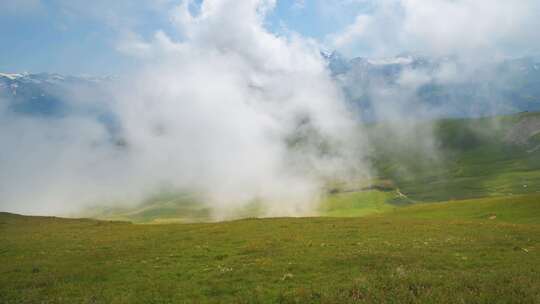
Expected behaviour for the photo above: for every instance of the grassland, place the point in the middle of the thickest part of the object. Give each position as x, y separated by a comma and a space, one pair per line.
452, 217
425, 253
355, 204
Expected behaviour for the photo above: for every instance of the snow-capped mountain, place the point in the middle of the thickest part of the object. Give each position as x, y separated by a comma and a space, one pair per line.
442, 87
50, 94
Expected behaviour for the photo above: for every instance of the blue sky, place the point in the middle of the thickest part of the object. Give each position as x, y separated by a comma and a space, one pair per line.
54, 36
81, 37
77, 38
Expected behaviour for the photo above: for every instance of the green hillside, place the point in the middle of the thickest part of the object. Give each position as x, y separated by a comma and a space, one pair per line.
485, 251
461, 158
164, 208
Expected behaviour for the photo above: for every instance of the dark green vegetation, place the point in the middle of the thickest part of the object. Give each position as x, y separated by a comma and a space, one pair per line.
484, 251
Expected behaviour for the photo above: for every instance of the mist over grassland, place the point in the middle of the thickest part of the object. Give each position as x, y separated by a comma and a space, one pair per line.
238, 117
270, 151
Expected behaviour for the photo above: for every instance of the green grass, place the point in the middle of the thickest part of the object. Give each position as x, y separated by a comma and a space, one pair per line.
164, 208
520, 209
426, 253
186, 209
354, 204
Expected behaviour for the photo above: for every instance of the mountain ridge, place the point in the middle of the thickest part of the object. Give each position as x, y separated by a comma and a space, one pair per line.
440, 86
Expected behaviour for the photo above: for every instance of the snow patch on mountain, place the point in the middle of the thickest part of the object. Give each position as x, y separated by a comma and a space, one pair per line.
12, 76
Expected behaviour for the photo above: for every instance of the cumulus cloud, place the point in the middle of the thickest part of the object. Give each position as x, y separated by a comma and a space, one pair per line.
459, 44
230, 111
469, 27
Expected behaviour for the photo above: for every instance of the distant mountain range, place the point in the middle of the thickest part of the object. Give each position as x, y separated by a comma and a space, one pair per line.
442, 87
51, 94
406, 84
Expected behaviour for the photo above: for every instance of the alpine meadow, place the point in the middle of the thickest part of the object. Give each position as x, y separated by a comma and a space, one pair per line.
269, 151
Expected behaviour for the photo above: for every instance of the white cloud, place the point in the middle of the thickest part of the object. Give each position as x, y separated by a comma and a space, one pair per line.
215, 112
228, 96
471, 27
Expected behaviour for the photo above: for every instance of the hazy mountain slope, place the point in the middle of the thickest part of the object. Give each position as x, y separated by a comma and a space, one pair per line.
433, 161
437, 86
444, 86
467, 157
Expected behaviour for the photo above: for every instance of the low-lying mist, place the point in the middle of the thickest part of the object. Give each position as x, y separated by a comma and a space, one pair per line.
237, 117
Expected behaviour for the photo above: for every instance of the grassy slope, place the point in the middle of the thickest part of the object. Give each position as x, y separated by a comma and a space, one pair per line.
522, 209
435, 253
165, 208
468, 158
354, 204
182, 209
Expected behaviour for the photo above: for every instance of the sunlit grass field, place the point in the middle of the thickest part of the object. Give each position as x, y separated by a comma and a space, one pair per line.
482, 251
354, 204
